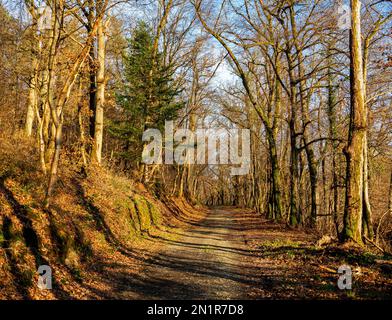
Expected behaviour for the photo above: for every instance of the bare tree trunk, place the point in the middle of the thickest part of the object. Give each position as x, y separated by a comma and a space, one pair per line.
294, 210
276, 200
356, 141
334, 146
50, 128
92, 96
367, 221
41, 144
294, 174
98, 133
271, 137
81, 127
182, 181
91, 13
33, 84
390, 196
55, 162
32, 101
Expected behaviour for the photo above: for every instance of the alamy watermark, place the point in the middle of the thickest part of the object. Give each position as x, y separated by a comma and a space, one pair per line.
345, 280
44, 18
344, 15
45, 277
202, 146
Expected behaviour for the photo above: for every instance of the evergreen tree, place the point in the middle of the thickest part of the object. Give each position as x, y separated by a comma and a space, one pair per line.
149, 95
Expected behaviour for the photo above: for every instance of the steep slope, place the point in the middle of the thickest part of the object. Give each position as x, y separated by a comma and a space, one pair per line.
92, 218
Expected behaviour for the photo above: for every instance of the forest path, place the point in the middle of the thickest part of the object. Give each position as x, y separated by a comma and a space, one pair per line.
211, 259
230, 253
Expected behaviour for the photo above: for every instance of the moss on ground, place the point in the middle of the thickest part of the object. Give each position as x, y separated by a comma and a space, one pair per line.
148, 214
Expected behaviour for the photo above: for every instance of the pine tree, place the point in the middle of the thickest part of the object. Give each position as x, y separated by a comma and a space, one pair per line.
149, 95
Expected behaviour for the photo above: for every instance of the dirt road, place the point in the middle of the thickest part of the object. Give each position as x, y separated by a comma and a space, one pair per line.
230, 254
209, 261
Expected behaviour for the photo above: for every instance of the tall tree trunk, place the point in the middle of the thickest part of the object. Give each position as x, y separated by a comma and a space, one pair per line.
98, 127
357, 132
92, 95
81, 125
55, 162
31, 106
294, 176
367, 221
305, 121
276, 190
275, 193
390, 196
294, 216
92, 73
332, 102
33, 83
